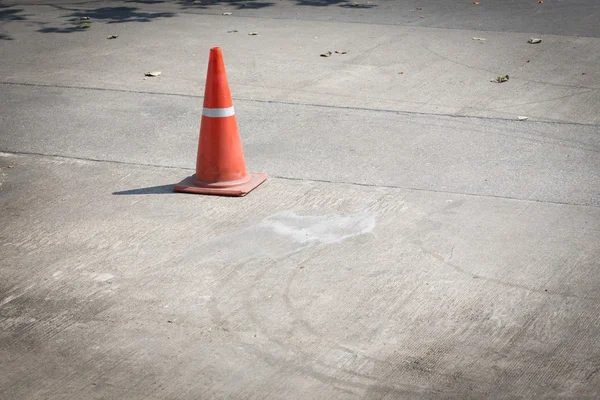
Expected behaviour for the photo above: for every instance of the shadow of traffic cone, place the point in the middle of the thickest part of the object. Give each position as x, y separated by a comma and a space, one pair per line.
220, 166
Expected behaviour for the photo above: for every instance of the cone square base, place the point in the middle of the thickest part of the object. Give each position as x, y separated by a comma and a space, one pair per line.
192, 185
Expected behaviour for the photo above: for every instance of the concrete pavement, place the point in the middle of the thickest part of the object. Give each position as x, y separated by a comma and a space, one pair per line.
445, 71
461, 155
414, 240
300, 290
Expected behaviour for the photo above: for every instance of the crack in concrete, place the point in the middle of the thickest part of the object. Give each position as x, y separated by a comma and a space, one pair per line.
492, 196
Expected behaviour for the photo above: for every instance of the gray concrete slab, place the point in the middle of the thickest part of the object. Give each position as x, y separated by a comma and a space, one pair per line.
572, 18
526, 160
309, 290
413, 241
444, 70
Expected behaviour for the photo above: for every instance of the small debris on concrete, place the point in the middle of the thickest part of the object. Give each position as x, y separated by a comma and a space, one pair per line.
253, 33
113, 37
419, 8
226, 13
522, 118
84, 25
341, 52
534, 41
401, 73
152, 73
233, 31
476, 2
480, 39
500, 79
85, 18
170, 322
11, 166
421, 16
326, 54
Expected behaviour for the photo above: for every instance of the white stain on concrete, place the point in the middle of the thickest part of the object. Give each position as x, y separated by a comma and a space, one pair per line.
281, 235
326, 229
102, 277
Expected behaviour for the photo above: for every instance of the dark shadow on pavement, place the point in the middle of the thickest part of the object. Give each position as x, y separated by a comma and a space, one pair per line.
10, 15
239, 4
116, 15
163, 189
125, 11
145, 1
319, 3
357, 5
339, 3
109, 15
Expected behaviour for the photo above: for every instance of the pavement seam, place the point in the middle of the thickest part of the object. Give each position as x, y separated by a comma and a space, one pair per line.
288, 178
292, 103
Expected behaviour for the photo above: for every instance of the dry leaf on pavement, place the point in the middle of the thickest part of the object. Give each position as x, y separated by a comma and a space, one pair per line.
500, 79
152, 73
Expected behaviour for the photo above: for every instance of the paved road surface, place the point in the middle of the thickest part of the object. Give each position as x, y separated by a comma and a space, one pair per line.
414, 239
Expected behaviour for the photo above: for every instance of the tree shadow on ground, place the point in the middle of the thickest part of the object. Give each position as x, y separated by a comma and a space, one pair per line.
339, 3
252, 4
145, 1
76, 19
239, 4
7, 15
320, 3
12, 15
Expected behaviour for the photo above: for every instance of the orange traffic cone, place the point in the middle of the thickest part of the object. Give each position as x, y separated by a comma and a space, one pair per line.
220, 166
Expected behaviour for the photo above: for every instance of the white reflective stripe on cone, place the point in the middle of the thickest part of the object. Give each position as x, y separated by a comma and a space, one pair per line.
218, 112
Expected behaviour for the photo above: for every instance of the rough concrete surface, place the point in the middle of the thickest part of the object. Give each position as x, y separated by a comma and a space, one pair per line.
414, 239
300, 290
